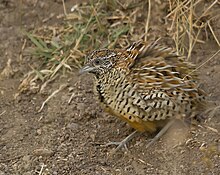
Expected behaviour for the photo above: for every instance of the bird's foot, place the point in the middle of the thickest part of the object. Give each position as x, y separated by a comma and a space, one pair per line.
161, 133
123, 143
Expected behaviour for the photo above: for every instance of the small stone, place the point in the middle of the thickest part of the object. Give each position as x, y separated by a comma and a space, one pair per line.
81, 106
39, 131
92, 136
182, 151
55, 173
26, 158
43, 152
216, 156
73, 126
27, 165
70, 89
28, 173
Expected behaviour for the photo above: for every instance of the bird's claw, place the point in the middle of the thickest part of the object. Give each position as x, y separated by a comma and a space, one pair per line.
119, 145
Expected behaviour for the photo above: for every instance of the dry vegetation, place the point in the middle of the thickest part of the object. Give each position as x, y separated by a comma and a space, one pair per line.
97, 25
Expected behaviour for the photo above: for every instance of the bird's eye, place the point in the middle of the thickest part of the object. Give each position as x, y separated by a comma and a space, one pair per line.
97, 62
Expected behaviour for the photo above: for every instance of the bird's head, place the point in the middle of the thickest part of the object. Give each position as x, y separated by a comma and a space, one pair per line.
99, 61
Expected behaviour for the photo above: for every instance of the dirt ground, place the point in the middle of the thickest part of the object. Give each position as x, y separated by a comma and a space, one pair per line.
68, 138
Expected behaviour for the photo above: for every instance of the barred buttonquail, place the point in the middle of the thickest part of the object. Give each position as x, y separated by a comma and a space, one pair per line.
146, 85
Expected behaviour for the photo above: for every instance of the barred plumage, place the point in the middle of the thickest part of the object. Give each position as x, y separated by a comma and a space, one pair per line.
145, 85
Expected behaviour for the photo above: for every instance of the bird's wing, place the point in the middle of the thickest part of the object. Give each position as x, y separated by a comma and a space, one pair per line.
162, 79
160, 67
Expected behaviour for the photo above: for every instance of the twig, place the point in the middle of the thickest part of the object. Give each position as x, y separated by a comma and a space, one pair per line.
216, 39
209, 128
148, 20
64, 8
2, 112
69, 101
22, 49
212, 129
41, 170
203, 14
47, 82
216, 53
177, 8
83, 33
62, 63
212, 111
190, 31
54, 93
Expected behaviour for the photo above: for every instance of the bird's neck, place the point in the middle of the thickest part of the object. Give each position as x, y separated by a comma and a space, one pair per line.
109, 78
106, 83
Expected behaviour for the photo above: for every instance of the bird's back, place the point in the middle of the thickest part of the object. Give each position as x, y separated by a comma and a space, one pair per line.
149, 85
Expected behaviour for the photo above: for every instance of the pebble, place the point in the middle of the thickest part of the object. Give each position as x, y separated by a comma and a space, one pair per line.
26, 158
73, 126
39, 131
43, 152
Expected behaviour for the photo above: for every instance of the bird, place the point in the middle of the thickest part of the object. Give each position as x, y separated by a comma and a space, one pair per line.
148, 85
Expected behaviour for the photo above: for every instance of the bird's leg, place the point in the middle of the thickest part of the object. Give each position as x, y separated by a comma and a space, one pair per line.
161, 133
123, 142
132, 135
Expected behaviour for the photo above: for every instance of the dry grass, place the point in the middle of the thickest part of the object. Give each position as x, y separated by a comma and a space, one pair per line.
188, 21
113, 23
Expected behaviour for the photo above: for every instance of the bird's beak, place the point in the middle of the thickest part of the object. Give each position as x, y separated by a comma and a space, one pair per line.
86, 69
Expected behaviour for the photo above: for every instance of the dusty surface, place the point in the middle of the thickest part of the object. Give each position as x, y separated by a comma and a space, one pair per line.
67, 138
